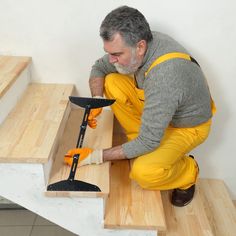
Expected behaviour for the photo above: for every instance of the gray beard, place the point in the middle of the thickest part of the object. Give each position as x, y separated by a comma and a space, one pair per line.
130, 69
125, 70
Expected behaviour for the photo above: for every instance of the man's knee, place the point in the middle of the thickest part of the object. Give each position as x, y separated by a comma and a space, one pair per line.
137, 173
147, 176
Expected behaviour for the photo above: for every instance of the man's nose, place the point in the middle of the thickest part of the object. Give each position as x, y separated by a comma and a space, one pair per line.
113, 59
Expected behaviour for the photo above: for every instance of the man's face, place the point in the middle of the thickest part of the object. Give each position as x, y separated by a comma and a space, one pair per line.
126, 59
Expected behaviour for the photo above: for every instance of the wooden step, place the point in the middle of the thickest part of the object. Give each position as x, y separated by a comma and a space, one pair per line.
128, 205
10, 69
98, 138
219, 207
30, 131
210, 213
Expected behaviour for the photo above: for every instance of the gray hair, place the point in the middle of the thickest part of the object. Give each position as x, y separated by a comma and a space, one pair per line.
129, 23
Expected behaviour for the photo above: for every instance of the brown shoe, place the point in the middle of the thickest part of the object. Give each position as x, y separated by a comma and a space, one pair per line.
182, 197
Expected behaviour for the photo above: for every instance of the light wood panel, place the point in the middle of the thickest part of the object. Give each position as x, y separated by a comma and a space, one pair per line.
98, 138
210, 213
10, 68
128, 205
30, 131
188, 220
219, 207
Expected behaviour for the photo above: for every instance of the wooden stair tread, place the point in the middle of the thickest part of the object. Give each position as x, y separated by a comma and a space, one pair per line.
210, 213
98, 138
219, 207
10, 68
30, 130
129, 206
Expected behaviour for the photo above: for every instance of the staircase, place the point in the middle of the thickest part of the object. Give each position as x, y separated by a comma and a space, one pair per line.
38, 125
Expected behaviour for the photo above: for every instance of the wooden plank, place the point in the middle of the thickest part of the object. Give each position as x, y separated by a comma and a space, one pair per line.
10, 68
98, 138
30, 131
188, 220
219, 207
210, 213
129, 206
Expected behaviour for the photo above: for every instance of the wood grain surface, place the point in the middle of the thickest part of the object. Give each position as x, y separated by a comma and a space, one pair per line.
30, 131
128, 205
210, 213
98, 138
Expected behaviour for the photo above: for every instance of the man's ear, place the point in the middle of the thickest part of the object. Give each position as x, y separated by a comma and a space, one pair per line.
141, 47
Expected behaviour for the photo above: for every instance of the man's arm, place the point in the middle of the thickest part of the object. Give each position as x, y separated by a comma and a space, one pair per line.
114, 153
96, 85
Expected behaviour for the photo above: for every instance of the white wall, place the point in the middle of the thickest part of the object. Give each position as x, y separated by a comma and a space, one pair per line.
62, 37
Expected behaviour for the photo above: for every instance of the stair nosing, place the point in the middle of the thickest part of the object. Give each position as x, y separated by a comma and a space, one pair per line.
26, 62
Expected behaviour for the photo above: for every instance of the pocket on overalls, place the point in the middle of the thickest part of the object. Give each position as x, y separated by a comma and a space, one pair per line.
140, 94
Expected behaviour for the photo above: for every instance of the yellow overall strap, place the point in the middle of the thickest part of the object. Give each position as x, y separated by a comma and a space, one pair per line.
169, 56
173, 55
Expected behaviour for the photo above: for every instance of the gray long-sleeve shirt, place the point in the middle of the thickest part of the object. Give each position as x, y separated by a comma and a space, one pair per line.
176, 93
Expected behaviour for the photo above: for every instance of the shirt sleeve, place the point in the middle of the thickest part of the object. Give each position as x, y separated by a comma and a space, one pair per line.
162, 95
102, 67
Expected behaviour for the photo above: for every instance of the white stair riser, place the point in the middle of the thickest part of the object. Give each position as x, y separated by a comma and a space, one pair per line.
10, 98
24, 184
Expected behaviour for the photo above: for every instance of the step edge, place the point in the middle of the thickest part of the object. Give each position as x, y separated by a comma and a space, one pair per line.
27, 62
36, 160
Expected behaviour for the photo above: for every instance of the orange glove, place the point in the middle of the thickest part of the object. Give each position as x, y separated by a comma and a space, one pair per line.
92, 121
87, 156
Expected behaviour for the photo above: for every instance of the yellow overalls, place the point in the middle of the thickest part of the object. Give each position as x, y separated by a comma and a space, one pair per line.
168, 166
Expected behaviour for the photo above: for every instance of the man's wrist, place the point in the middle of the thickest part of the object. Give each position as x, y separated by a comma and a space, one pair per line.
114, 153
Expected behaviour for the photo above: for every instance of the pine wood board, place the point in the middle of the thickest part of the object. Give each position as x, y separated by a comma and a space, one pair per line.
30, 131
98, 138
219, 207
210, 213
10, 68
129, 206
188, 220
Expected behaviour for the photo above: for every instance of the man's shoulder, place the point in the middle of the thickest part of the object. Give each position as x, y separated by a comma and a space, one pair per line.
163, 44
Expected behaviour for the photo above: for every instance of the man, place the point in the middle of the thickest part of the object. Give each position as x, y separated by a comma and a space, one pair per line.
162, 102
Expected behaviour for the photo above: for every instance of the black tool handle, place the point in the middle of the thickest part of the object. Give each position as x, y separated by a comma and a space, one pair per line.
80, 140
83, 127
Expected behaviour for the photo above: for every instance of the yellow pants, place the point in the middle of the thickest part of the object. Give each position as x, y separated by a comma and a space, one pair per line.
168, 166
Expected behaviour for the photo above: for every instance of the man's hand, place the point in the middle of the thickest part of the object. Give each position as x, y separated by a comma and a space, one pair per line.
92, 121
87, 156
